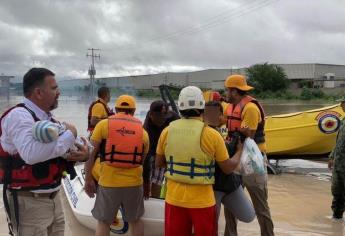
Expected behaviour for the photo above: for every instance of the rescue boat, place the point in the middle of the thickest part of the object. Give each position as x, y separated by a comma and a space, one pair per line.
305, 134
82, 205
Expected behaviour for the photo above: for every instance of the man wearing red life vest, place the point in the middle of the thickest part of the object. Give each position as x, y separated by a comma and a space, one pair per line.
120, 177
245, 111
31, 171
98, 109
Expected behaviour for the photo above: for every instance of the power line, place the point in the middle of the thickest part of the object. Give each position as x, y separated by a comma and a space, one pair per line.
219, 19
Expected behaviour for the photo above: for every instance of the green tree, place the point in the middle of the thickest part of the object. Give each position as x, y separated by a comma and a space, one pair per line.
267, 77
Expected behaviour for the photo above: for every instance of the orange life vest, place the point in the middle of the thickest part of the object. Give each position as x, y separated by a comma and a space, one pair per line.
124, 147
234, 119
109, 113
16, 174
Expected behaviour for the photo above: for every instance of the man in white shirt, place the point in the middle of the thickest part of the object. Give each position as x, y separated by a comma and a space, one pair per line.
31, 171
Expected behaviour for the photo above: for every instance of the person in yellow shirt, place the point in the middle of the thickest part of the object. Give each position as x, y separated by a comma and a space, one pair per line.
245, 111
188, 149
98, 109
120, 177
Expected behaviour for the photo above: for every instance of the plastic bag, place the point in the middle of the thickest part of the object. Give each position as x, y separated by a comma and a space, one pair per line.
252, 160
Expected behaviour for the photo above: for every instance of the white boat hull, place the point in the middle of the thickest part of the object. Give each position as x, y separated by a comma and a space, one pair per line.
82, 205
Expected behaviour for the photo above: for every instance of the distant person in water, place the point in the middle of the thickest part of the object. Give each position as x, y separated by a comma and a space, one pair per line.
337, 165
158, 117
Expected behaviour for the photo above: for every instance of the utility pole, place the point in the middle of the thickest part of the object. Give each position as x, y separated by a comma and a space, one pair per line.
92, 70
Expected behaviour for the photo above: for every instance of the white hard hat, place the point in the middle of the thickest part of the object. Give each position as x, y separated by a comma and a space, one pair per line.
191, 97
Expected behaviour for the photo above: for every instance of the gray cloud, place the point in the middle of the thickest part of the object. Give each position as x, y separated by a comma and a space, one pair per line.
138, 37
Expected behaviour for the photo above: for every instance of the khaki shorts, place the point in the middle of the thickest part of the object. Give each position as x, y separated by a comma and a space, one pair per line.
38, 216
109, 200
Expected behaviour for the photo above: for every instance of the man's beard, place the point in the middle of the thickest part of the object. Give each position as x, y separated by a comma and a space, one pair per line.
55, 105
229, 99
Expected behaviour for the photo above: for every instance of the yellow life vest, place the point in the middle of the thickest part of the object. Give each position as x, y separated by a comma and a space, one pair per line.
186, 161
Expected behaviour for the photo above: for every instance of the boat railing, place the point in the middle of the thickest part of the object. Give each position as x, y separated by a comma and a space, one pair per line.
300, 113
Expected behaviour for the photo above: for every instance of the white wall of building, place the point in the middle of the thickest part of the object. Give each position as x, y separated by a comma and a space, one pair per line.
214, 78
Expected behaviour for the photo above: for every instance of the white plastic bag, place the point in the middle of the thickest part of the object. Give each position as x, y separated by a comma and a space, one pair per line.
252, 160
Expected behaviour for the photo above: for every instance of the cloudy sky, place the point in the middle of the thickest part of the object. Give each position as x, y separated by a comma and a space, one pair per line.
147, 36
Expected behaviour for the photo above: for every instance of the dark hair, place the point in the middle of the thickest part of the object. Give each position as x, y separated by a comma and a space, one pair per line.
103, 91
214, 104
191, 112
157, 106
34, 78
126, 111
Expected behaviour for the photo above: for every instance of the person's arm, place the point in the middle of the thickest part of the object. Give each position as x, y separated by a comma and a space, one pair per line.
221, 153
97, 114
160, 157
160, 161
146, 166
229, 165
146, 141
147, 158
89, 164
90, 185
96, 140
19, 123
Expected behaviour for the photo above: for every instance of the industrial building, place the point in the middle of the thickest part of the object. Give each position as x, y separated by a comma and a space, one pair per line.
315, 75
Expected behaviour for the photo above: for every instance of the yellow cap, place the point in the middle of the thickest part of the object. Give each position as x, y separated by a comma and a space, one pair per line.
237, 81
125, 102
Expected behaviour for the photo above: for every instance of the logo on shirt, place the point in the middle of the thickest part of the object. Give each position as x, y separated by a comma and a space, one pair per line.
123, 131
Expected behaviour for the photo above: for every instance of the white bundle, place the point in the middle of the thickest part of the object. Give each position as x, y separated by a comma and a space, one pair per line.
252, 160
46, 131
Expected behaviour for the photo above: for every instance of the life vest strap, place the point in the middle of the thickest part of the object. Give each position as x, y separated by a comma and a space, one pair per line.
192, 166
209, 174
135, 154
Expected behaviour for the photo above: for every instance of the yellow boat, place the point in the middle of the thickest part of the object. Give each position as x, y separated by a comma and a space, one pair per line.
307, 133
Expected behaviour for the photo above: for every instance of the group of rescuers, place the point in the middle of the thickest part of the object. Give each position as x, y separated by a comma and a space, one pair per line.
130, 161
191, 155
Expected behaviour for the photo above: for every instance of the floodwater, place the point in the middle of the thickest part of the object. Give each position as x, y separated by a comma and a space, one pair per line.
299, 198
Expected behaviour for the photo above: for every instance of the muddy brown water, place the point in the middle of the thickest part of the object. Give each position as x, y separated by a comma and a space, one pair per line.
299, 198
